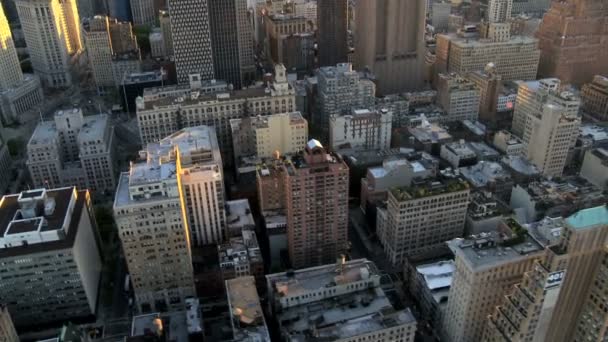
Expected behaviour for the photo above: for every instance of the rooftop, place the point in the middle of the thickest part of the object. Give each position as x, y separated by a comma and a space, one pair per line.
429, 188
484, 172
460, 148
429, 133
595, 132
589, 217
94, 128
241, 250
484, 151
238, 215
173, 325
479, 43
437, 275
245, 310
520, 165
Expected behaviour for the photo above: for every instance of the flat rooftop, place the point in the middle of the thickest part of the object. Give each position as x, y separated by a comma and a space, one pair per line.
484, 172
588, 218
429, 188
429, 133
174, 325
466, 42
238, 214
94, 128
460, 149
245, 310
521, 165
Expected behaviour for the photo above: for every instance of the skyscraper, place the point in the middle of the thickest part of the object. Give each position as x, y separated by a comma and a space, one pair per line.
144, 12
499, 11
232, 42
573, 39
332, 17
10, 69
191, 39
389, 39
52, 33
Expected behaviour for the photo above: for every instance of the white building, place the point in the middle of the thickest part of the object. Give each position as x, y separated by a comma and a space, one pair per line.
52, 33
341, 302
458, 154
195, 153
508, 143
361, 129
459, 97
50, 256
595, 167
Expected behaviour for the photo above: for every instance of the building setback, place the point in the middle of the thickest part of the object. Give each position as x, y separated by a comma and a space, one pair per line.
53, 232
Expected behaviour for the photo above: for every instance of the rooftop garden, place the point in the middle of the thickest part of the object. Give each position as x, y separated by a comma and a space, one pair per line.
429, 189
518, 236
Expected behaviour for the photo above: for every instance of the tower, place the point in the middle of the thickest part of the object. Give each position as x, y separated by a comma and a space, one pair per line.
332, 16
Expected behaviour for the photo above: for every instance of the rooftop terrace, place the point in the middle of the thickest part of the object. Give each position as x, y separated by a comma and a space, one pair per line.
428, 189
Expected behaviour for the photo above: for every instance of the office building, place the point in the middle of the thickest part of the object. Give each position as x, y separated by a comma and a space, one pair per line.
151, 218
532, 96
118, 9
349, 298
52, 42
191, 35
18, 92
459, 97
290, 40
246, 315
264, 136
508, 143
157, 44
164, 19
530, 7
232, 42
515, 58
107, 41
489, 84
52, 231
332, 17
422, 227
73, 150
591, 325
341, 89
195, 154
440, 14
487, 266
594, 97
163, 111
362, 129
144, 11
498, 11
595, 167
389, 40
554, 301
548, 138
7, 329
572, 38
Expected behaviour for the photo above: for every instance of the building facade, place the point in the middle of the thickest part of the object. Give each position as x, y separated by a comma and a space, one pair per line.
594, 96
389, 40
410, 224
7, 329
232, 42
459, 97
361, 129
332, 17
52, 33
53, 231
164, 19
190, 32
144, 11
572, 40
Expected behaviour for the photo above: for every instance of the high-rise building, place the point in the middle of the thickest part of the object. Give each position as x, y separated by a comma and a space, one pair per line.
195, 153
595, 97
164, 19
232, 42
152, 225
422, 227
53, 232
389, 39
354, 305
5, 164
7, 329
144, 11
106, 41
290, 41
459, 97
17, 93
190, 30
362, 129
487, 266
530, 7
52, 33
499, 11
341, 89
163, 111
533, 95
490, 85
572, 39
73, 150
332, 17
313, 188
556, 299
263, 136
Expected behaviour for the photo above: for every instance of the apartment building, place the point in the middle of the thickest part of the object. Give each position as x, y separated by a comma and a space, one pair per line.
17, 93
341, 89
195, 154
51, 256
162, 112
73, 149
361, 129
421, 217
52, 34
459, 97
487, 267
555, 300
594, 97
263, 136
154, 234
354, 305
